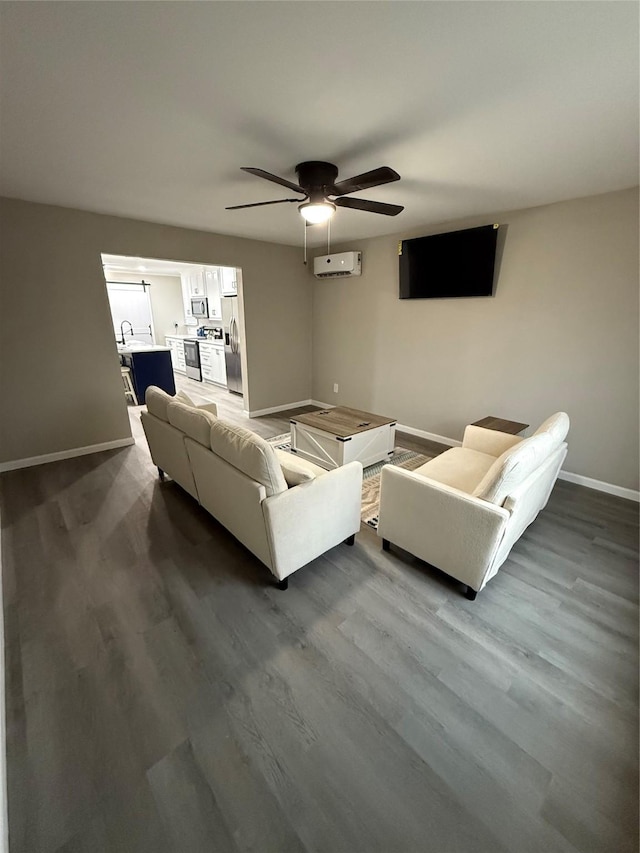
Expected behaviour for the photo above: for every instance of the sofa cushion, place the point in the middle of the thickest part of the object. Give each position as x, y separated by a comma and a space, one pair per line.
557, 426
249, 453
208, 407
513, 467
157, 401
192, 422
183, 397
459, 467
297, 470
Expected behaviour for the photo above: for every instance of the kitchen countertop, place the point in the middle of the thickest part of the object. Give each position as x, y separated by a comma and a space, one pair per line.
200, 340
132, 350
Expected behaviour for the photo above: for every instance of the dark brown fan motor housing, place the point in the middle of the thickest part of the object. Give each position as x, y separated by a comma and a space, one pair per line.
317, 182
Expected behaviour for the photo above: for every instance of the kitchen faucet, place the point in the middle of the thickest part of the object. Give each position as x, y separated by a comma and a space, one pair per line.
122, 329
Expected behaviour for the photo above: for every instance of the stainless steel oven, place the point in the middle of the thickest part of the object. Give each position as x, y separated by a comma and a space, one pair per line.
192, 360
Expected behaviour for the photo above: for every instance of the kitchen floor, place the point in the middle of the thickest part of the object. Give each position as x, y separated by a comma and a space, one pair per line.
230, 407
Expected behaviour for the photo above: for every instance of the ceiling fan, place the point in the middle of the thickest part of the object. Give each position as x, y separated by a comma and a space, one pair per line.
317, 183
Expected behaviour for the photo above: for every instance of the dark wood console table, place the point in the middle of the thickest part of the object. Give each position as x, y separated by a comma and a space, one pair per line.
502, 425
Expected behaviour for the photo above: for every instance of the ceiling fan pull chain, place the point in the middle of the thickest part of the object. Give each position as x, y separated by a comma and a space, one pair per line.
328, 236
304, 228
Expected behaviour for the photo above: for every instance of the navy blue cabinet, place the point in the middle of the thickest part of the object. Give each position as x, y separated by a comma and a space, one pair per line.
150, 368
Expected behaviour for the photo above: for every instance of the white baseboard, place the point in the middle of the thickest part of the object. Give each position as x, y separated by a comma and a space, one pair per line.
65, 454
420, 433
579, 479
430, 436
600, 486
257, 413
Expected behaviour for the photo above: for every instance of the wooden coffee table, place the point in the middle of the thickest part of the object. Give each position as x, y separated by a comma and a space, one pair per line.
333, 437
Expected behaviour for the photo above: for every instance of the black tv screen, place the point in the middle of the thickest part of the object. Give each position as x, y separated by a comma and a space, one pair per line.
460, 263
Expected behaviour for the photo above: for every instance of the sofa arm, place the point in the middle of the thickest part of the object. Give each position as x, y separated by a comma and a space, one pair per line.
307, 520
209, 407
489, 441
444, 526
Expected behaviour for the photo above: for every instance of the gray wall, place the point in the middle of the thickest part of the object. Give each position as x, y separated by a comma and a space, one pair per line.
561, 332
60, 381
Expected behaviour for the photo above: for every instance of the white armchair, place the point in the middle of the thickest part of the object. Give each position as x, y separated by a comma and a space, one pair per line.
464, 510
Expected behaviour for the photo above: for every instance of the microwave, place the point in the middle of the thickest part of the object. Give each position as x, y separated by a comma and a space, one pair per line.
199, 307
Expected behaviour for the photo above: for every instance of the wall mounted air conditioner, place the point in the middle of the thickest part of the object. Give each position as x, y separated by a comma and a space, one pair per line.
341, 265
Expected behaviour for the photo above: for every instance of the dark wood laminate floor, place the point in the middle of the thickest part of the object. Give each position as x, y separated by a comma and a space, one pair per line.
162, 695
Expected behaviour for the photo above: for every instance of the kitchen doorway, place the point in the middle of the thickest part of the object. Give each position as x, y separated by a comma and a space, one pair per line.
194, 311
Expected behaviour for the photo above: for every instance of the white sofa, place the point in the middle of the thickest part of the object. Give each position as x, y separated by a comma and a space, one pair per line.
463, 511
285, 510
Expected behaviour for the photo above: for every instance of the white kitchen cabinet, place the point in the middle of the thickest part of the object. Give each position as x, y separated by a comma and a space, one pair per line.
176, 348
186, 301
195, 282
212, 363
204, 282
219, 367
229, 281
212, 286
206, 360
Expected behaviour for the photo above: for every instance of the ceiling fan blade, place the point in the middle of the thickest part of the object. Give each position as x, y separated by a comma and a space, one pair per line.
260, 173
374, 178
370, 206
261, 203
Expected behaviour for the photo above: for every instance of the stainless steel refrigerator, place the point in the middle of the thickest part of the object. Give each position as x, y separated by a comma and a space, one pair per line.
231, 325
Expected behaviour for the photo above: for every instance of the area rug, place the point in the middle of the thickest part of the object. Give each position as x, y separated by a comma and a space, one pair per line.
402, 458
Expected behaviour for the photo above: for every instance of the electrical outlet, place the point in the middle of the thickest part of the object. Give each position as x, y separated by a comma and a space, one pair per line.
335, 388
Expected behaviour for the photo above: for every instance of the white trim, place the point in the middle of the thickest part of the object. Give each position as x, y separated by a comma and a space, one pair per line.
259, 412
4, 814
600, 486
65, 454
322, 405
430, 436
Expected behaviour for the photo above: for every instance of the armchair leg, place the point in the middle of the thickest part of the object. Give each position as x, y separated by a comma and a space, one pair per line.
386, 545
161, 474
351, 540
283, 584
471, 593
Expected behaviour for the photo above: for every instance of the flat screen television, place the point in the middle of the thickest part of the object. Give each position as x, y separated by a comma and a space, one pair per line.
442, 266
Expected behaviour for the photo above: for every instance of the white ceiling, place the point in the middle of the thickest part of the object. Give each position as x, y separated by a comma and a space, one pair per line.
139, 267
148, 110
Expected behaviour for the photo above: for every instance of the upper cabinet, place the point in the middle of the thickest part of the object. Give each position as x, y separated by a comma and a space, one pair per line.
195, 282
192, 287
210, 283
212, 286
229, 281
186, 300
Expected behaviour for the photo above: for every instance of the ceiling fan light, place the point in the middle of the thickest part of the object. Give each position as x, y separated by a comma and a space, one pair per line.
317, 212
